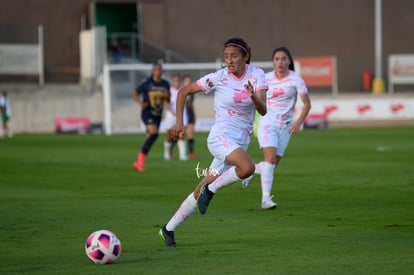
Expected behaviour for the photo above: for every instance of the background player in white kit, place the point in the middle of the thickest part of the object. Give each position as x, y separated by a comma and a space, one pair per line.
170, 118
276, 127
239, 90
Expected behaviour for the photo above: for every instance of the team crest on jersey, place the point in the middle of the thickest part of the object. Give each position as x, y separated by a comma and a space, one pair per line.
209, 83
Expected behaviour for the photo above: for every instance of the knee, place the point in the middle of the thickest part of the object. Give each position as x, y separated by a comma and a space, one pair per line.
245, 170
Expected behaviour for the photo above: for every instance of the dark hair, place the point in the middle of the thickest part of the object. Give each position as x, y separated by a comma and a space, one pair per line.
287, 52
242, 45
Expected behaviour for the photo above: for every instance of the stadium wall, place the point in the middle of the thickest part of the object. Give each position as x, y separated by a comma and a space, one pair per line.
197, 30
35, 108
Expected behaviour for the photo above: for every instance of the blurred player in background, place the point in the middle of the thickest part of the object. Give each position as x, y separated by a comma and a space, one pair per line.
277, 126
191, 119
239, 90
170, 119
5, 110
150, 96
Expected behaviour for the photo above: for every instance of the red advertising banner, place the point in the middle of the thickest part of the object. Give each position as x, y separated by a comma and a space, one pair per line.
80, 125
317, 71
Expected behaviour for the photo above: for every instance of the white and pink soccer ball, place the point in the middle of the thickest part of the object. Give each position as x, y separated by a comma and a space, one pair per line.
103, 247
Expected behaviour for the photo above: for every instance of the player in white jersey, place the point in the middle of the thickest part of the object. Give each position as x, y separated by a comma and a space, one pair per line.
170, 120
276, 127
239, 90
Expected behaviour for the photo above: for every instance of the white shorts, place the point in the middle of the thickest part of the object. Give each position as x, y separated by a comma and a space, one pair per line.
220, 146
170, 120
273, 136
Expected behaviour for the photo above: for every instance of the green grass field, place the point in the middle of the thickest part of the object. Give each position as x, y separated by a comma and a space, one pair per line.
346, 206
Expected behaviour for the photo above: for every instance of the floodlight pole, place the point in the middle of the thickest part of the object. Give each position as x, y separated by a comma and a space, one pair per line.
41, 55
378, 83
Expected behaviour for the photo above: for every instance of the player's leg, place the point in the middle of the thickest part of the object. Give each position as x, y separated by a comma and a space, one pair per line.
238, 166
3, 126
272, 157
168, 146
169, 141
182, 150
186, 209
266, 177
190, 136
152, 125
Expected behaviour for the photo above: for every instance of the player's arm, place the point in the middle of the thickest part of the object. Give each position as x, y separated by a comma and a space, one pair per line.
258, 97
305, 111
192, 88
137, 99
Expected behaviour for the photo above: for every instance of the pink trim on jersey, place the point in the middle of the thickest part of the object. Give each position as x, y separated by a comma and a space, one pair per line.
283, 78
239, 78
201, 87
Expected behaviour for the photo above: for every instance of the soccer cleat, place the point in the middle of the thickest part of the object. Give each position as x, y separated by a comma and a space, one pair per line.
167, 155
138, 166
167, 237
204, 199
267, 203
183, 158
247, 181
192, 155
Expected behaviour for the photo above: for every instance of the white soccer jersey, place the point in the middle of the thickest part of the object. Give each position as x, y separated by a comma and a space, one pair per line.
281, 98
234, 109
5, 103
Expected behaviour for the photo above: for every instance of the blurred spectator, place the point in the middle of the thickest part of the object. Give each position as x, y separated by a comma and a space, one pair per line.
5, 109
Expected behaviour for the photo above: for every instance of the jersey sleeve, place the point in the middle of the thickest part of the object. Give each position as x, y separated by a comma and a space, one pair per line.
141, 87
261, 83
301, 86
208, 82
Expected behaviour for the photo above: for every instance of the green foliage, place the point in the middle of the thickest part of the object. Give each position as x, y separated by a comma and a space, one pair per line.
345, 207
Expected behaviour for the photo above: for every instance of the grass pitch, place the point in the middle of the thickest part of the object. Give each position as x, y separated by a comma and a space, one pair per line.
346, 206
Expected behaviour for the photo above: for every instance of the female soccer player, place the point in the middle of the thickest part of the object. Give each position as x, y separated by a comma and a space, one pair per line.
276, 127
239, 90
154, 92
170, 122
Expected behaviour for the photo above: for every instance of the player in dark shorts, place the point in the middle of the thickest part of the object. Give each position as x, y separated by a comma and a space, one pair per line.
150, 96
191, 119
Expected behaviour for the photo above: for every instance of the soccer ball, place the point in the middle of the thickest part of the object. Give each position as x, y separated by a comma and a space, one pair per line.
103, 247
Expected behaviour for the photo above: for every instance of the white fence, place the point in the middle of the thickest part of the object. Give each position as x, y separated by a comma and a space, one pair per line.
400, 70
23, 59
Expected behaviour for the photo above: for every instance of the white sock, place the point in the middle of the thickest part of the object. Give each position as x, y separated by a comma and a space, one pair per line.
182, 149
267, 178
258, 168
167, 145
225, 179
187, 208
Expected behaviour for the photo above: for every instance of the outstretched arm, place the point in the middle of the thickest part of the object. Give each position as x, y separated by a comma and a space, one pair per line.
177, 131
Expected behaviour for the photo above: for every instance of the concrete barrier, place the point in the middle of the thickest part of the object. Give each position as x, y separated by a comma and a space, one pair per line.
35, 108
